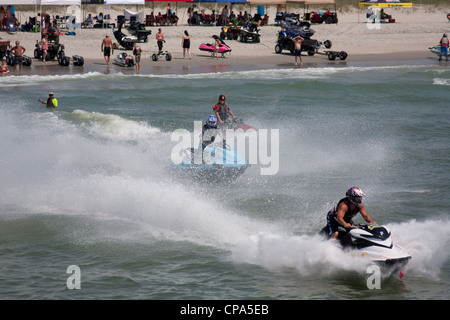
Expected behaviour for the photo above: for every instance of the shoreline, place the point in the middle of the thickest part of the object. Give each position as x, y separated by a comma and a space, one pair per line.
205, 64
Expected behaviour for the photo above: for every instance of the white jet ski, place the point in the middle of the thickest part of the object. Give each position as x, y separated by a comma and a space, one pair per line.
373, 242
124, 60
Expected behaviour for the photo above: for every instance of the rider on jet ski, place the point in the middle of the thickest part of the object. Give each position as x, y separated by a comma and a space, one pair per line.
209, 131
222, 110
345, 210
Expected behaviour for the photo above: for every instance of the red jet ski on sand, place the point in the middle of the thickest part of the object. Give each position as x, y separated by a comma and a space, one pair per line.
223, 47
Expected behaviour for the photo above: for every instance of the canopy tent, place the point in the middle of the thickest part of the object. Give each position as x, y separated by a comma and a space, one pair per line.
385, 4
142, 2
59, 2
19, 2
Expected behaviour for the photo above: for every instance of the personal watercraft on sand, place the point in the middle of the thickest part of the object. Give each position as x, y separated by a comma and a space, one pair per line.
374, 243
217, 163
437, 51
125, 41
124, 60
223, 47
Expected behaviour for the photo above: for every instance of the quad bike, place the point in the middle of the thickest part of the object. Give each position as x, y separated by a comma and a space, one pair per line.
231, 32
250, 31
166, 54
55, 49
311, 46
319, 17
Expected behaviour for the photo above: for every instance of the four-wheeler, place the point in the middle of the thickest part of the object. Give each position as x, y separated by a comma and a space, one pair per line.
55, 49
319, 17
250, 31
311, 46
230, 32
166, 54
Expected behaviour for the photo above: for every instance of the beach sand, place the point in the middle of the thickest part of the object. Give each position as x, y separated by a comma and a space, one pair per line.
405, 41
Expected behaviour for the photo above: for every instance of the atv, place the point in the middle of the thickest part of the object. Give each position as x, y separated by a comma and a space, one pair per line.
55, 49
250, 31
231, 32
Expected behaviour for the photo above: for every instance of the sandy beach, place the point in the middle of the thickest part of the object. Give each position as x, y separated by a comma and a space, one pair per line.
408, 39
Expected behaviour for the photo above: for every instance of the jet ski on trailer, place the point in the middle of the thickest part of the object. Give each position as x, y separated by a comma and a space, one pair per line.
374, 243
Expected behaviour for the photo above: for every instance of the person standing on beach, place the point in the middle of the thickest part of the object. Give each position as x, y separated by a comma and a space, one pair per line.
18, 52
298, 48
44, 47
51, 102
216, 49
444, 47
186, 44
107, 48
160, 40
137, 56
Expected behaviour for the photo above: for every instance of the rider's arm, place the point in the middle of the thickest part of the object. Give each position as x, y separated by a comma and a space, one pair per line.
365, 215
231, 112
342, 209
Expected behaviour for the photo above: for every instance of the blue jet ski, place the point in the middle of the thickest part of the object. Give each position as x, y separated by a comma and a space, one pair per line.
215, 163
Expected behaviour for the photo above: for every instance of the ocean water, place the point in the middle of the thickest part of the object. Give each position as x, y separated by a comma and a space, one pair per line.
87, 185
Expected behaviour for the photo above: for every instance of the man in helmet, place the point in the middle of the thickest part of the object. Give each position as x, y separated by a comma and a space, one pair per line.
209, 131
222, 110
444, 47
345, 210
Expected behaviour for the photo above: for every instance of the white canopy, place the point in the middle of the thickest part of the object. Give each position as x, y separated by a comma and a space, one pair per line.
125, 2
20, 2
275, 2
59, 2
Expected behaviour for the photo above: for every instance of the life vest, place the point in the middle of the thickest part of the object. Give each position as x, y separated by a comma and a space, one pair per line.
349, 215
222, 109
52, 103
444, 42
137, 51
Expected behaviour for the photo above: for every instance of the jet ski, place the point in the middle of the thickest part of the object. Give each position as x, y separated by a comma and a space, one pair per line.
374, 243
236, 124
125, 41
436, 50
223, 47
216, 163
124, 60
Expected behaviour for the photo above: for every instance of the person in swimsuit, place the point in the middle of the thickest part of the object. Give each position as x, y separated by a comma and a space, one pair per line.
343, 213
44, 47
18, 52
160, 40
107, 48
186, 44
4, 69
298, 48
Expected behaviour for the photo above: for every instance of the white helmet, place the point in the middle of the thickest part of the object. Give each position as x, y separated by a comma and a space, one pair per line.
355, 194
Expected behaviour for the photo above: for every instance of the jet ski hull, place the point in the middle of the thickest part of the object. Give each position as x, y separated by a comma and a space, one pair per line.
213, 164
373, 243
